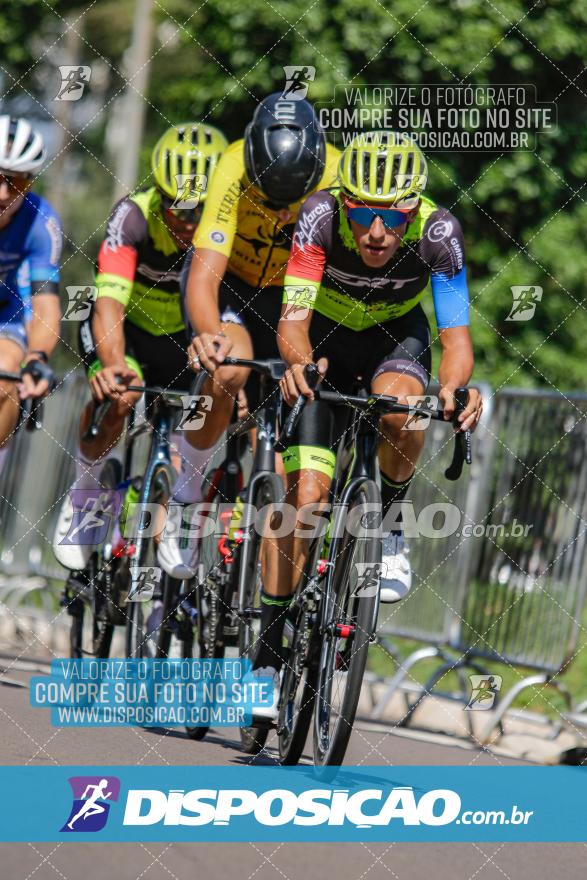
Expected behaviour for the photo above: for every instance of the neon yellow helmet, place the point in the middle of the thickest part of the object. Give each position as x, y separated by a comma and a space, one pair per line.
383, 166
187, 149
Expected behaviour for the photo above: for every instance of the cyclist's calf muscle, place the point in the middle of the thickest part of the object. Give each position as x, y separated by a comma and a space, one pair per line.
399, 449
111, 427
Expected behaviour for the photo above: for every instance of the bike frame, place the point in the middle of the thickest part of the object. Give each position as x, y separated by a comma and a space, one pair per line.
263, 466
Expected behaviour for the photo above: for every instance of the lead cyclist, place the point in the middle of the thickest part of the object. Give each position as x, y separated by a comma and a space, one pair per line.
362, 256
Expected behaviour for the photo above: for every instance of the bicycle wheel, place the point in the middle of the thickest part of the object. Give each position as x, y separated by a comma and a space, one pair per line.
348, 622
268, 490
90, 604
299, 687
144, 619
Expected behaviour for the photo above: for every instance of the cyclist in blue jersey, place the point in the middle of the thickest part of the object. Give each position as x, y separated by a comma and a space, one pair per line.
30, 232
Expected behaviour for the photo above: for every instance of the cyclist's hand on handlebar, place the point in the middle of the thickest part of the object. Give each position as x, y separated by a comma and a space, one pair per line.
110, 382
209, 350
469, 418
37, 379
294, 381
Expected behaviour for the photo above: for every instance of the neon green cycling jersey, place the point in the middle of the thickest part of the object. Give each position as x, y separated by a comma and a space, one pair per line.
139, 264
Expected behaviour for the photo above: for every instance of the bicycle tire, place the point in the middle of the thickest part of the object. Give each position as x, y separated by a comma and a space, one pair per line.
211, 587
298, 692
343, 659
140, 642
102, 628
267, 490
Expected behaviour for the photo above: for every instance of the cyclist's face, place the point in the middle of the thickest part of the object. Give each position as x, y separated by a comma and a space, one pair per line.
13, 189
376, 243
183, 229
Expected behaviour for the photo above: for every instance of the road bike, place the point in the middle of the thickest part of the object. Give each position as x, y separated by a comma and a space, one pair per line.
220, 607
332, 618
119, 585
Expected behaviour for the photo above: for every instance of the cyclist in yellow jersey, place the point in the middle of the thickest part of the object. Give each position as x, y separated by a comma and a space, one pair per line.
233, 279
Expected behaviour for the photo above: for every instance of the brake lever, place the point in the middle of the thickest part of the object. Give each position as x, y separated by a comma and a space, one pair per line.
312, 376
462, 452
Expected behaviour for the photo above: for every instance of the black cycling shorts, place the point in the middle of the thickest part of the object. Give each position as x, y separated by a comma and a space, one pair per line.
161, 360
258, 310
354, 358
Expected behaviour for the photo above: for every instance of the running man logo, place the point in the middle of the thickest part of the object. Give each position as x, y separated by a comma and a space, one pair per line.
92, 511
90, 808
297, 81
298, 302
189, 190
525, 301
74, 79
194, 412
421, 405
144, 582
484, 689
79, 303
365, 579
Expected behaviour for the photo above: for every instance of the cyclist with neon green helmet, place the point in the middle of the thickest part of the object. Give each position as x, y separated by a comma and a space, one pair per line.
136, 331
361, 260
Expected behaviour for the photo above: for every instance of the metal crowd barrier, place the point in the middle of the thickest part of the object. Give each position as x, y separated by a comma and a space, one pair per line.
37, 473
515, 590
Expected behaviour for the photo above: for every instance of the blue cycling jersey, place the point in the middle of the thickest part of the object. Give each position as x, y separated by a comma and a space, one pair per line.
33, 236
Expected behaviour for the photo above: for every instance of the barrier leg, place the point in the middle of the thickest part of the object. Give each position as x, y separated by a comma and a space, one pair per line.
397, 679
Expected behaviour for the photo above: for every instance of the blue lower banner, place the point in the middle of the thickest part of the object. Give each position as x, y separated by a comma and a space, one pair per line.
210, 803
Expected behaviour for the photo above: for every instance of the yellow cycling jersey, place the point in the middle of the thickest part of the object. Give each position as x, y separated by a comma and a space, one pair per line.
256, 239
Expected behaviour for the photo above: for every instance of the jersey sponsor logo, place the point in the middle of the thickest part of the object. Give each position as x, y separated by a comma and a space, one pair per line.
231, 196
158, 274
458, 252
54, 231
308, 222
439, 230
217, 237
86, 338
364, 281
114, 230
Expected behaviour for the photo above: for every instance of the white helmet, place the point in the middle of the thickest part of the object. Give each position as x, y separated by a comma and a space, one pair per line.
21, 147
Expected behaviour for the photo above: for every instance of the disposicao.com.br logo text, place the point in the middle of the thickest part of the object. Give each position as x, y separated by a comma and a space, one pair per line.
365, 808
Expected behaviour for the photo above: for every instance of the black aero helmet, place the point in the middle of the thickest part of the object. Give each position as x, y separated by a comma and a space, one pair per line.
285, 150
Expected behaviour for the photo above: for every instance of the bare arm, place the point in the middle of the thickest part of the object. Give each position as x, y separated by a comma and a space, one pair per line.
108, 333
455, 370
206, 272
43, 330
43, 335
295, 347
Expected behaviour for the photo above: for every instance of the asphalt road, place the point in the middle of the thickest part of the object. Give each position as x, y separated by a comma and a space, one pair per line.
27, 737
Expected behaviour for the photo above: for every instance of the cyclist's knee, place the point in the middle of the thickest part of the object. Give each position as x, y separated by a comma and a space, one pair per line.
307, 487
392, 427
227, 382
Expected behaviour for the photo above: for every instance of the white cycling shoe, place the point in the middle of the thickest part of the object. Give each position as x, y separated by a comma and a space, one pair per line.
396, 579
268, 711
79, 530
177, 554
